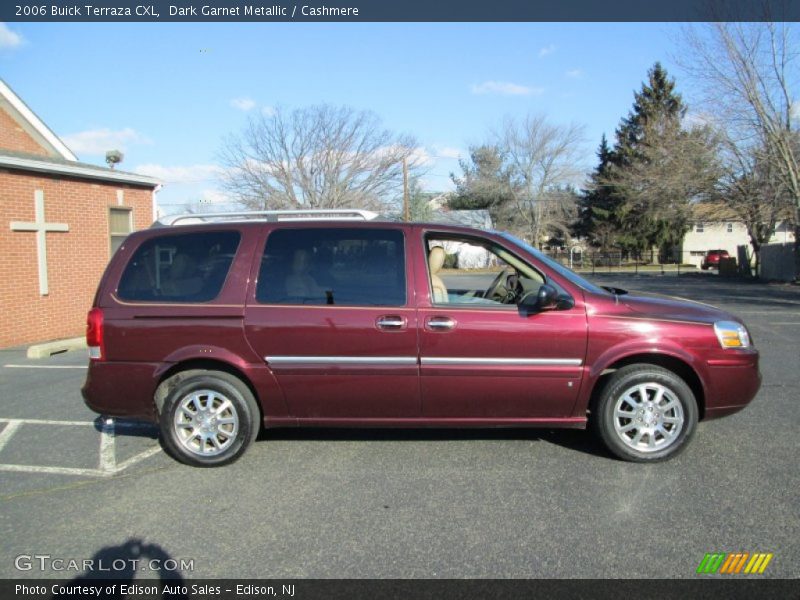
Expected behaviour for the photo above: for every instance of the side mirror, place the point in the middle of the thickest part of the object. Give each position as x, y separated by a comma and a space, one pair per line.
545, 299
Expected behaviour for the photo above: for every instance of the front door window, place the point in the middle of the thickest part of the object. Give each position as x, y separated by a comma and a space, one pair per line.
469, 272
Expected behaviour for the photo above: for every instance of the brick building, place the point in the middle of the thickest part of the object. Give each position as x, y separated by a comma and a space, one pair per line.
60, 221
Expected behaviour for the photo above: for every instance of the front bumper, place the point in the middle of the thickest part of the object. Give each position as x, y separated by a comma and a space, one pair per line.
732, 381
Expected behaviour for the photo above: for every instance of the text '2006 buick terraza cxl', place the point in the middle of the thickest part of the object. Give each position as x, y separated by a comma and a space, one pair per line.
216, 327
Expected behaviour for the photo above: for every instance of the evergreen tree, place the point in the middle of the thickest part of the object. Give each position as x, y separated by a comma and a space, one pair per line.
598, 206
657, 107
419, 206
485, 184
656, 168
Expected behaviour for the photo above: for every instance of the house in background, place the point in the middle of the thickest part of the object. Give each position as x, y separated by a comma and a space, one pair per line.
716, 228
61, 220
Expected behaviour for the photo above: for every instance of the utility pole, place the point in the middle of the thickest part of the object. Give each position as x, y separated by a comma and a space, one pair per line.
406, 207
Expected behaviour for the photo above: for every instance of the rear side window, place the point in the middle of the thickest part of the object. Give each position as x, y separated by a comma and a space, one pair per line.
353, 267
188, 267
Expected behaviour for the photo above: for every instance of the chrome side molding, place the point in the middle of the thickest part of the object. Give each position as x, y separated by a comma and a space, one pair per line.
511, 362
340, 360
425, 361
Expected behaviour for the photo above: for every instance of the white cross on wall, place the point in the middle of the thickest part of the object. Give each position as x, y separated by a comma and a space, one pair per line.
41, 228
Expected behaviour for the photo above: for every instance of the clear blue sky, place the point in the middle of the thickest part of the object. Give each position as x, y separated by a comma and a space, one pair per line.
167, 94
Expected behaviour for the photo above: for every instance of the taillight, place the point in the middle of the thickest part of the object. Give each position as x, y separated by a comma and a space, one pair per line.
94, 334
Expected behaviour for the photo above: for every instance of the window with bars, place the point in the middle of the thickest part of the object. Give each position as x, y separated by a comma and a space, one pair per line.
119, 226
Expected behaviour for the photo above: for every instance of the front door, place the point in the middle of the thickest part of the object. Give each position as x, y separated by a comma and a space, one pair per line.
481, 355
333, 319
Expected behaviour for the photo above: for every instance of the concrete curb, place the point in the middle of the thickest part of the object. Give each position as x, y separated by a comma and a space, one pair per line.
56, 347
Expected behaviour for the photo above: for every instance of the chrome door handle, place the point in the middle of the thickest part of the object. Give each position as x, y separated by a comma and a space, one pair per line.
390, 322
441, 323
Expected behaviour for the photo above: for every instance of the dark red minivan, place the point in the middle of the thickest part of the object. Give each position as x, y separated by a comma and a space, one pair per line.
217, 328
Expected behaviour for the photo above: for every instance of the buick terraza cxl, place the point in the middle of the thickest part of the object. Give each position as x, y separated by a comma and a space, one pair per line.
216, 326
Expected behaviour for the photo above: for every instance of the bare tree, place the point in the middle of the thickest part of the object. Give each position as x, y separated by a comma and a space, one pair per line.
542, 160
751, 191
316, 157
747, 72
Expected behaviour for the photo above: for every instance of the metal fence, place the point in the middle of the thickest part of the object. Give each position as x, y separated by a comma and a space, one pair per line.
677, 261
777, 262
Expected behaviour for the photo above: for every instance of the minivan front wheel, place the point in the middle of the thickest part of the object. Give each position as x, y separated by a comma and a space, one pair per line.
208, 418
646, 413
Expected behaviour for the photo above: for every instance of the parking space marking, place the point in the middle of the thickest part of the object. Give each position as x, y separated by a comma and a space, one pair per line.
767, 313
46, 366
7, 432
45, 422
108, 460
771, 331
107, 463
138, 458
54, 470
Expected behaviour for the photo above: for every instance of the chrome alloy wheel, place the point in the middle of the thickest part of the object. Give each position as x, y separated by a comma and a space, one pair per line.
206, 422
648, 417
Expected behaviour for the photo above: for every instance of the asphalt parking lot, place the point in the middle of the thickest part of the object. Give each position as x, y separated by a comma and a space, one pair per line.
423, 504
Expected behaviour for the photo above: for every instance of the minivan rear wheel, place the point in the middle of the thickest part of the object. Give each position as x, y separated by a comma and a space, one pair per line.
645, 413
208, 418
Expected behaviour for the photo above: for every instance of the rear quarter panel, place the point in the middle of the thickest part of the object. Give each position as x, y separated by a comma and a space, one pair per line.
144, 340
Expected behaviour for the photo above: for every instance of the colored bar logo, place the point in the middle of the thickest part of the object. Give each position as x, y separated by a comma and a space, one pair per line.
735, 563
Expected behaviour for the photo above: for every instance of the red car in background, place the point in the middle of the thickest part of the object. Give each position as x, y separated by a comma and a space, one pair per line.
219, 328
712, 258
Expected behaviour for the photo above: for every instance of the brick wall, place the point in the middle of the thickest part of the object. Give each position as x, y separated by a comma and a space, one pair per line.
76, 259
14, 137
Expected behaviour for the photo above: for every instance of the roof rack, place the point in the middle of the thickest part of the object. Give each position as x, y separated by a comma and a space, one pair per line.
338, 214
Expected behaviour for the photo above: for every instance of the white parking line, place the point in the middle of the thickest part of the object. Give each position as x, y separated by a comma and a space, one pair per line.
8, 431
45, 422
776, 311
108, 459
54, 470
46, 366
107, 463
771, 331
138, 458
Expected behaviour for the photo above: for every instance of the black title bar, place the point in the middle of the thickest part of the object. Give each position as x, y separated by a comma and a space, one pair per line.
400, 10
176, 588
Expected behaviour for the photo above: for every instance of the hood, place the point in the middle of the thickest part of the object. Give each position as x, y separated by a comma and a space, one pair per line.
671, 308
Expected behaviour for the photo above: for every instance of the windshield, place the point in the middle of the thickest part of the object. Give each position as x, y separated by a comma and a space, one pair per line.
566, 273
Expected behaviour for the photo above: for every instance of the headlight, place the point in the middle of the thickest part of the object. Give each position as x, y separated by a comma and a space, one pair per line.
732, 334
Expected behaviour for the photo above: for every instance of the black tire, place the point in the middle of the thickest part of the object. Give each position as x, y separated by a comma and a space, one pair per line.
208, 418
666, 426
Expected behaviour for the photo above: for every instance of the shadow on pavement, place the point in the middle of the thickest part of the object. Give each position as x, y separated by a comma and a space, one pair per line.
132, 561
582, 441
